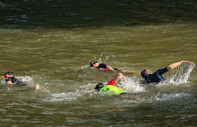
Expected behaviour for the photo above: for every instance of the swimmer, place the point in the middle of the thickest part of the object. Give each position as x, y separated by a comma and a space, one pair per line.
105, 67
111, 88
156, 77
10, 80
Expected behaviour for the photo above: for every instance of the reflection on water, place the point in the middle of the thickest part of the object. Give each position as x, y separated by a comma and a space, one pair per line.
69, 14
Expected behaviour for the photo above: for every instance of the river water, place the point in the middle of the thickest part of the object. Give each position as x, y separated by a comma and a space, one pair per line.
58, 59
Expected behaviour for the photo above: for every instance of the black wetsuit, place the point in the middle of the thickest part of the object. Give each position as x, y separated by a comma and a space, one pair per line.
104, 67
15, 81
156, 76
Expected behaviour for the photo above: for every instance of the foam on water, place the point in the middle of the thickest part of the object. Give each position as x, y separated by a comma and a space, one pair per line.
68, 96
131, 84
165, 97
27, 79
86, 89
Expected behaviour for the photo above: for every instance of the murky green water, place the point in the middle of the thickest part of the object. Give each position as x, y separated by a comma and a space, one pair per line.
57, 57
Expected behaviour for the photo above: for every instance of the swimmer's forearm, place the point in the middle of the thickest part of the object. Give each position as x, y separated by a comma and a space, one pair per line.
174, 65
36, 87
110, 68
9, 82
130, 71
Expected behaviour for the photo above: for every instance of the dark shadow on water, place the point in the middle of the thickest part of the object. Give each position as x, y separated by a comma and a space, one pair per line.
94, 13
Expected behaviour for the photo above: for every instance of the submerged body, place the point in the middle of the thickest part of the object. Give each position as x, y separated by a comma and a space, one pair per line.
112, 90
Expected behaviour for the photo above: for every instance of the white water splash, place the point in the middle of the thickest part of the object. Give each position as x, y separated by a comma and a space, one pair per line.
132, 84
27, 79
104, 57
182, 74
87, 89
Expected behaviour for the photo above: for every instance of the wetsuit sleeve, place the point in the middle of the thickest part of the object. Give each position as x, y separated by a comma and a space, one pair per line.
15, 81
161, 71
8, 79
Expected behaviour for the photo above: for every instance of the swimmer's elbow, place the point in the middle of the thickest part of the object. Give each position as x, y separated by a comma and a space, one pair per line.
169, 68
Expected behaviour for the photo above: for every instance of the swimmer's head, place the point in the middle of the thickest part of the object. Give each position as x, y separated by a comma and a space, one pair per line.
145, 73
99, 86
93, 62
9, 74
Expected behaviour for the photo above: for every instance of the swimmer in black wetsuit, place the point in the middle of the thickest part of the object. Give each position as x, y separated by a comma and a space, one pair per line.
105, 67
11, 80
157, 77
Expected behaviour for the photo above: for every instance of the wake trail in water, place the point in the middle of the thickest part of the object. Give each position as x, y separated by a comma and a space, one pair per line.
168, 97
85, 90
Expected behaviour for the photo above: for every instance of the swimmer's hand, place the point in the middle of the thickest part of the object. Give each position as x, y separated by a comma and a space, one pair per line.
187, 62
37, 87
174, 65
130, 71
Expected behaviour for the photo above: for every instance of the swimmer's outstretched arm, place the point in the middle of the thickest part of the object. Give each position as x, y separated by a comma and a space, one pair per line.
122, 71
130, 71
110, 68
174, 65
36, 87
